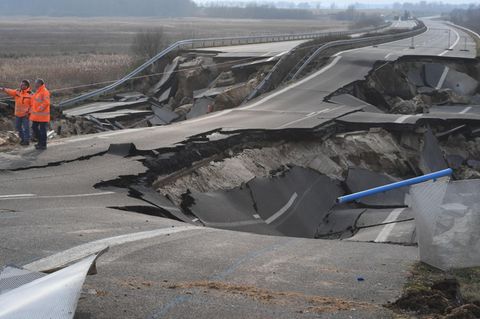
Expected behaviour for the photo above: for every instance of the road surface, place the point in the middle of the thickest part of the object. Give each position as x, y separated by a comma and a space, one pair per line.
51, 211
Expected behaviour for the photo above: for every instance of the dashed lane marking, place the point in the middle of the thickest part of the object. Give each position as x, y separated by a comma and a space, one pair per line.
387, 229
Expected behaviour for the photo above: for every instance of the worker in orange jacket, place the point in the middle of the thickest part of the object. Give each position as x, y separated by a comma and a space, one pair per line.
23, 103
40, 113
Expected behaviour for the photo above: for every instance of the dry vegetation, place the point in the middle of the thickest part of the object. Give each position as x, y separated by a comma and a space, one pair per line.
69, 52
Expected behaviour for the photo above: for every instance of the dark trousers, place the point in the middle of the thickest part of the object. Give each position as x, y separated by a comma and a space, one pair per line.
22, 125
40, 131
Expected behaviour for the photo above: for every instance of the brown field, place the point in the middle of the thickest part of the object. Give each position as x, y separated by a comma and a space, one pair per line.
69, 52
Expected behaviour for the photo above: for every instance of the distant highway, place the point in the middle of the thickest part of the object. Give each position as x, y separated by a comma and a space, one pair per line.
48, 206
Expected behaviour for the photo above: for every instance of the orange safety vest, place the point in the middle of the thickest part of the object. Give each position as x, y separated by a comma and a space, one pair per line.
40, 111
23, 101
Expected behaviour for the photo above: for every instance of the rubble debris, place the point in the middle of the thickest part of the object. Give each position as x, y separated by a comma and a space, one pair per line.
432, 293
163, 115
224, 79
234, 96
200, 107
413, 86
183, 110
167, 77
105, 106
8, 140
128, 96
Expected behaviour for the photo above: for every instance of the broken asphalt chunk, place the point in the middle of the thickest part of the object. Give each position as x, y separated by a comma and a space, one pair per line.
431, 156
359, 179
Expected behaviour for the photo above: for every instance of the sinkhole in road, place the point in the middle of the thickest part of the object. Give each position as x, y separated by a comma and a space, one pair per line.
415, 85
285, 182
282, 183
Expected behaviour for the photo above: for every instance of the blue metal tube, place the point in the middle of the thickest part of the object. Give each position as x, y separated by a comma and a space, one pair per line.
389, 187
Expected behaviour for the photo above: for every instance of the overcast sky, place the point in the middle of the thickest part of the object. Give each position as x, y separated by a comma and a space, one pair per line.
354, 1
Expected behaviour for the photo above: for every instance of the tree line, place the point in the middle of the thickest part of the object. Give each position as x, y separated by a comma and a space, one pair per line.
469, 18
255, 11
89, 8
147, 8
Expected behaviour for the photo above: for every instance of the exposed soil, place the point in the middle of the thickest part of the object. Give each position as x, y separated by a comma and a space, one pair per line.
431, 293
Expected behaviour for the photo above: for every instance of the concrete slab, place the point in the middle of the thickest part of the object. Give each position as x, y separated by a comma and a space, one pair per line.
460, 83
375, 217
359, 179
232, 209
397, 233
295, 202
339, 223
431, 157
123, 114
415, 77
435, 74
200, 107
164, 114
97, 107
167, 75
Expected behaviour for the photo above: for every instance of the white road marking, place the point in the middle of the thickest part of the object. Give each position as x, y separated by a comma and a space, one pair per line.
65, 257
465, 110
387, 229
388, 55
309, 115
35, 196
402, 119
16, 196
442, 78
282, 210
453, 45
288, 88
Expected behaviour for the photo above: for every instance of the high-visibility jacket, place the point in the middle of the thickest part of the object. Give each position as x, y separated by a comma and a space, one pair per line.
40, 111
23, 101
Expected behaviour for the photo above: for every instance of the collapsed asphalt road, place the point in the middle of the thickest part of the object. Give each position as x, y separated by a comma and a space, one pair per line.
65, 202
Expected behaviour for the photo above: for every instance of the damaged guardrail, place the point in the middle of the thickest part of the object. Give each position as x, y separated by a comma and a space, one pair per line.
267, 81
211, 42
355, 41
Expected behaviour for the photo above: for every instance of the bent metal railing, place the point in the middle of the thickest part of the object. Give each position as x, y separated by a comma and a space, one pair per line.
207, 43
265, 83
385, 188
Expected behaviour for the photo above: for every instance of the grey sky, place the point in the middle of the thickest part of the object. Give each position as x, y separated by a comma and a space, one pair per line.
354, 1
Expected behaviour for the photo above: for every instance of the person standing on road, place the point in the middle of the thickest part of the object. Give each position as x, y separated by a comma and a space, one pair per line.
40, 113
23, 103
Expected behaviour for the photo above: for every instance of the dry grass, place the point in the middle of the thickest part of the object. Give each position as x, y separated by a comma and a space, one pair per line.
304, 303
65, 71
69, 52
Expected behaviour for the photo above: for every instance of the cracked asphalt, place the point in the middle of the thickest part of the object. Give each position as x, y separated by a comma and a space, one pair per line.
201, 272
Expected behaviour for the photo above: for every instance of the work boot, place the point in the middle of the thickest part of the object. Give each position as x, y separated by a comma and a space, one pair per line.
24, 143
40, 147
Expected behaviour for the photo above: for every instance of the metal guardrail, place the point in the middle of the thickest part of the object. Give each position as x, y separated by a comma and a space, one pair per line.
261, 87
355, 41
385, 188
211, 42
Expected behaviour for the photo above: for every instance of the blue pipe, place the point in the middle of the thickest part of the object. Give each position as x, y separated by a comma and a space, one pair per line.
389, 187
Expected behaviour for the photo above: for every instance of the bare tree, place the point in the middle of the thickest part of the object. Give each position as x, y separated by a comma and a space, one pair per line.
148, 43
